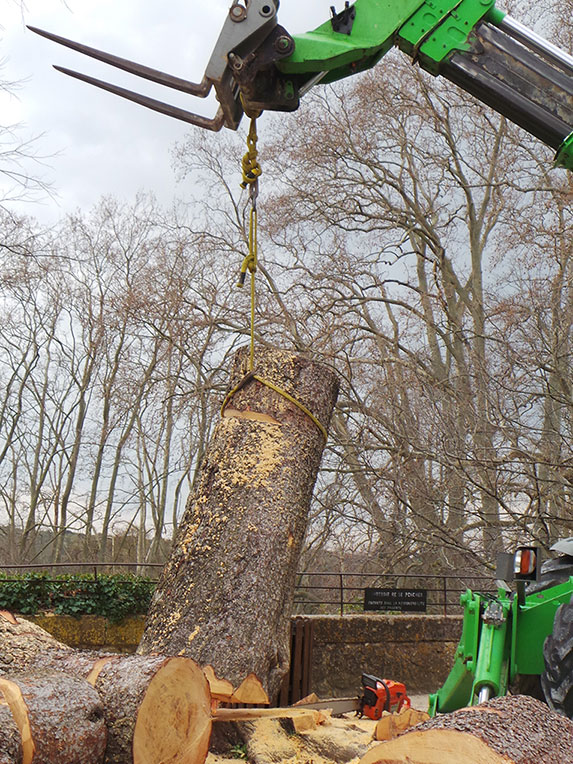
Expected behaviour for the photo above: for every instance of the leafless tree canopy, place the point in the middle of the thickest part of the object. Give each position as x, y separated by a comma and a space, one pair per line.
409, 237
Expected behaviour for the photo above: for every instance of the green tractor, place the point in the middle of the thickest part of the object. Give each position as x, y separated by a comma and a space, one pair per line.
517, 641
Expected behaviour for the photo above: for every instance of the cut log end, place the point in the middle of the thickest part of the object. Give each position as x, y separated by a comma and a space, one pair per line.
250, 691
174, 719
434, 747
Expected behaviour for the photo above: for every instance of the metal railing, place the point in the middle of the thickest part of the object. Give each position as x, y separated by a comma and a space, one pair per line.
343, 593
138, 568
321, 592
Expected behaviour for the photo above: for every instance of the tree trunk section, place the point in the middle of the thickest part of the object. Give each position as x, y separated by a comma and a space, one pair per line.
156, 708
225, 595
514, 729
10, 737
59, 718
24, 646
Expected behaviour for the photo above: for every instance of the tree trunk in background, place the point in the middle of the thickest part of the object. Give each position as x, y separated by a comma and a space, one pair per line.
514, 729
226, 593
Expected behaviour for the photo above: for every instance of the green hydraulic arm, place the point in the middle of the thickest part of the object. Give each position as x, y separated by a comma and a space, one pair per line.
256, 64
470, 43
502, 638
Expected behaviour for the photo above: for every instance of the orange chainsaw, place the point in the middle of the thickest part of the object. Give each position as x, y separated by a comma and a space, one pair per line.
378, 695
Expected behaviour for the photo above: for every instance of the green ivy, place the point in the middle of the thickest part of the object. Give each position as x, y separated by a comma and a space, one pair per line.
112, 596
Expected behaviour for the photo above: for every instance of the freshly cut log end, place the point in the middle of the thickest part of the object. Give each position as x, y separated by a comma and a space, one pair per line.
152, 704
250, 691
59, 718
514, 729
174, 720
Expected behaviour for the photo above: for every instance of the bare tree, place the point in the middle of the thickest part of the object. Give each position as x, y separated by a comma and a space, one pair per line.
385, 252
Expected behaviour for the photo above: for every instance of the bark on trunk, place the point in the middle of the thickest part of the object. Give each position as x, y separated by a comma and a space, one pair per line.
226, 593
10, 737
59, 718
515, 729
156, 708
23, 645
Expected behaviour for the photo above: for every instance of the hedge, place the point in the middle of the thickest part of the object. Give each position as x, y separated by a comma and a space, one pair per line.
112, 596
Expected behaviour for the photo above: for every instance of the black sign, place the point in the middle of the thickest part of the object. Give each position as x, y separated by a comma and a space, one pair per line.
402, 600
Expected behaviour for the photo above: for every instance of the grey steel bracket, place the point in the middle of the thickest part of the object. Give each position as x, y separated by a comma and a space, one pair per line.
245, 29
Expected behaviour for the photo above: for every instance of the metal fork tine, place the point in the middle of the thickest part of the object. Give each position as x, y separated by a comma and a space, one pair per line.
214, 124
200, 89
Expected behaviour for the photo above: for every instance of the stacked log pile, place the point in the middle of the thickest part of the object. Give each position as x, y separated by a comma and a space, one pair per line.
62, 706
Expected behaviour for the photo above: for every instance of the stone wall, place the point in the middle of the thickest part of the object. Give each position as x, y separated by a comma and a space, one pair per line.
92, 632
415, 649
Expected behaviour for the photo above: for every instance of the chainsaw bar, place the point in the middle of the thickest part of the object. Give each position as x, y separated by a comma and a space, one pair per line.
338, 706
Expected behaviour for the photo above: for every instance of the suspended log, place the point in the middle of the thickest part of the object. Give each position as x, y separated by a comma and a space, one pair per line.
515, 729
225, 596
10, 737
156, 708
59, 719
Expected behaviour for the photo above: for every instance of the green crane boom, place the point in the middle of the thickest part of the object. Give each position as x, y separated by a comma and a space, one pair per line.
256, 64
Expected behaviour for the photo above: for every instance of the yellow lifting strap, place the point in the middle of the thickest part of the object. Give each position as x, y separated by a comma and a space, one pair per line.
251, 173
251, 375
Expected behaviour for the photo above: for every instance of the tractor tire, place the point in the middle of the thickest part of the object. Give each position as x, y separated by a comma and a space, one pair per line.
557, 679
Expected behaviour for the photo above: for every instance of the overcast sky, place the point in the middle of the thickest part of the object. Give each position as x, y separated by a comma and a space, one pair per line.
98, 143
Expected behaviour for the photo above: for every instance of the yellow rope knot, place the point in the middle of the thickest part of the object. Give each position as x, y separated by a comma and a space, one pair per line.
250, 260
250, 164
